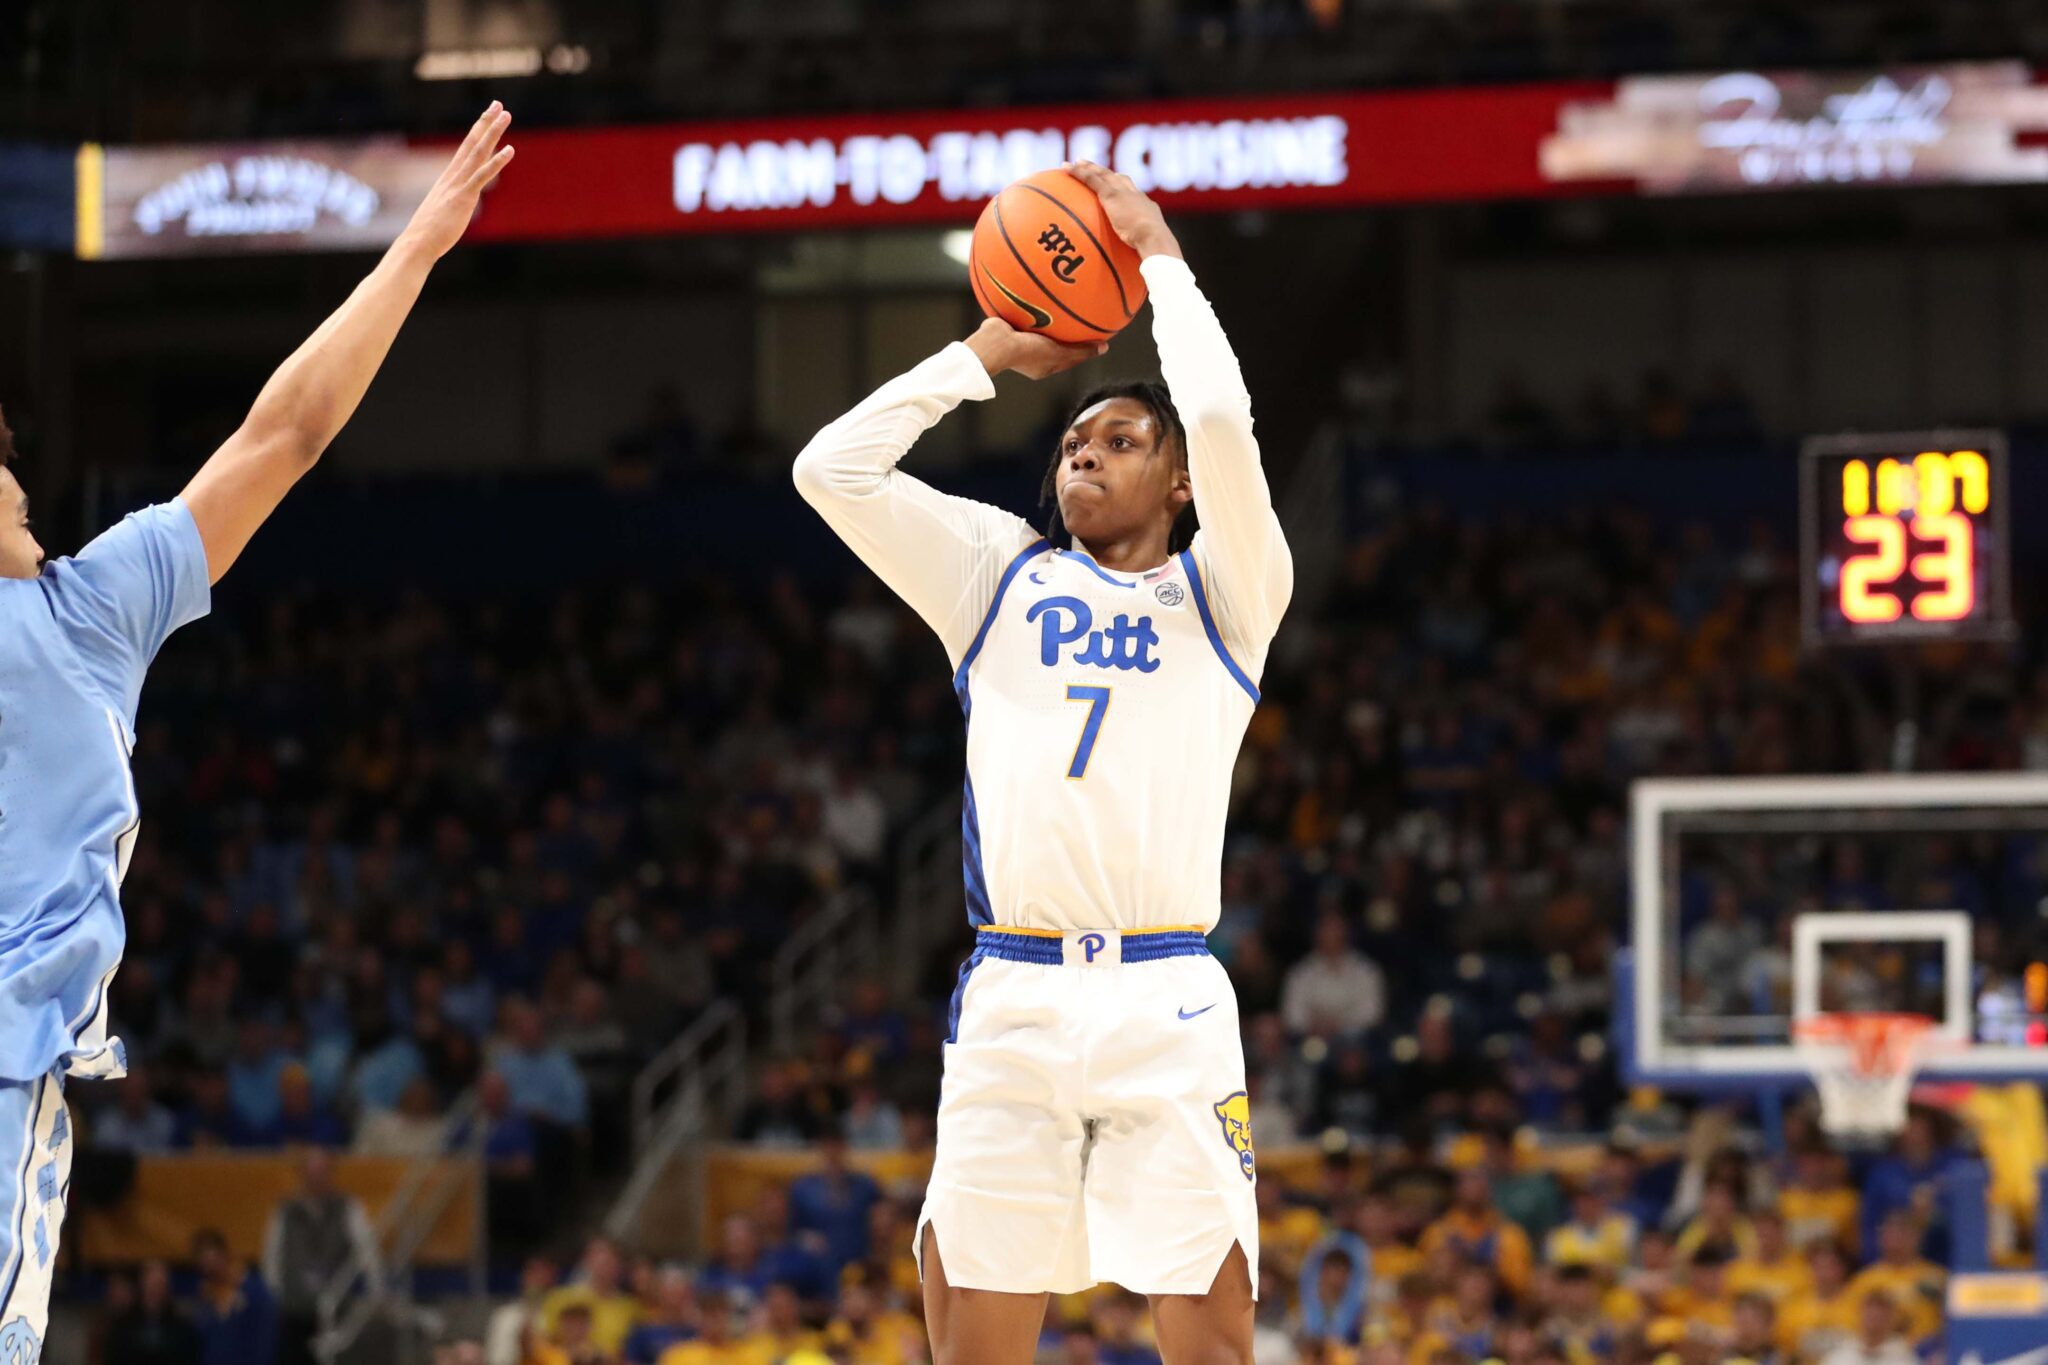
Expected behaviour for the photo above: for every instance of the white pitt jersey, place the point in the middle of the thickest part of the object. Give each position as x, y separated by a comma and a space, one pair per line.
1104, 709
1104, 714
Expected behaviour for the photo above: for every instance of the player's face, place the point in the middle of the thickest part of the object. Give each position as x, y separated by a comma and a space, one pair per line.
1117, 479
20, 556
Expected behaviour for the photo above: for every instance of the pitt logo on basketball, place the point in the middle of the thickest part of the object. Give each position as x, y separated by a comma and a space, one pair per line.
1120, 645
1065, 259
1234, 1112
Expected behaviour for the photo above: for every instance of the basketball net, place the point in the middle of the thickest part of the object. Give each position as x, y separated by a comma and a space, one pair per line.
1863, 1065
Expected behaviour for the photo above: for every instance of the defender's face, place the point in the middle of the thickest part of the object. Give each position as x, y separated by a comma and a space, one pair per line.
1114, 475
20, 556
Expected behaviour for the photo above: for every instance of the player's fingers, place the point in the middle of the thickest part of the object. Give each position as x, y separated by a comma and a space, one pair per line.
1070, 356
476, 133
487, 145
481, 181
1103, 180
464, 161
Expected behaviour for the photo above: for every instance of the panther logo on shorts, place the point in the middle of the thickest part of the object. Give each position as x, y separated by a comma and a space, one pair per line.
1234, 1112
18, 1344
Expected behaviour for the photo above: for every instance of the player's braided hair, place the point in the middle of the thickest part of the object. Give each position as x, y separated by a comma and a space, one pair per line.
1156, 399
6, 443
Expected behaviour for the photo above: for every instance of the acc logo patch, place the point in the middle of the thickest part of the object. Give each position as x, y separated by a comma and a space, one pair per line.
1170, 594
1234, 1112
18, 1344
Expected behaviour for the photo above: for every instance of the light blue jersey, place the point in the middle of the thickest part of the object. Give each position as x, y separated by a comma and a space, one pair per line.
74, 645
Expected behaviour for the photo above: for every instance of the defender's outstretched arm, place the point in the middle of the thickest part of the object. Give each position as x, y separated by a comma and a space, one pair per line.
314, 393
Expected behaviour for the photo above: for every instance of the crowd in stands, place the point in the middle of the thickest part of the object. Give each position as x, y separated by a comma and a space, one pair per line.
237, 1313
836, 54
1657, 416
1453, 1251
398, 853
1484, 1254
1476, 41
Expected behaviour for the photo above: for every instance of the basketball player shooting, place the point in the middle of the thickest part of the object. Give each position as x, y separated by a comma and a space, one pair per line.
1092, 1121
76, 637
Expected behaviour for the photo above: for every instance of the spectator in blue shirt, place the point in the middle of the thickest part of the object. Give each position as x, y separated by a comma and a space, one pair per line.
544, 1082
872, 1123
510, 1146
208, 1120
787, 1256
737, 1269
511, 1154
673, 1319
388, 1063
236, 1317
1334, 1278
871, 1026
136, 1123
253, 1073
749, 1259
508, 958
466, 997
833, 1202
1116, 1331
1630, 1188
302, 1121
1909, 1177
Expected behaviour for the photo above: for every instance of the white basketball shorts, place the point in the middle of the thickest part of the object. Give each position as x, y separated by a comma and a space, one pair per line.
1092, 1120
35, 1180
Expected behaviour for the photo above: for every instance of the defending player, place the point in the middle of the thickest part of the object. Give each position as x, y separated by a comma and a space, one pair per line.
1092, 1123
75, 639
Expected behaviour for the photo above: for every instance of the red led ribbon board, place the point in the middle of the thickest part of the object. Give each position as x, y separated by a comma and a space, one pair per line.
866, 171
1737, 132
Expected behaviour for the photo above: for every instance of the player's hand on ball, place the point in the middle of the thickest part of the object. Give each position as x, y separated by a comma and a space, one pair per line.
1002, 347
1130, 211
442, 218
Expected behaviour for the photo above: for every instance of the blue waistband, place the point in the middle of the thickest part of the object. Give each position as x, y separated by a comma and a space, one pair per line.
1047, 951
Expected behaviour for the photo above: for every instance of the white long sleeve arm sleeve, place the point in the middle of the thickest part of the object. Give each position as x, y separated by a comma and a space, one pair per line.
941, 554
1241, 550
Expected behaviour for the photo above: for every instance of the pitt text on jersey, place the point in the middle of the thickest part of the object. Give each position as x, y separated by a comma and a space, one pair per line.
1121, 644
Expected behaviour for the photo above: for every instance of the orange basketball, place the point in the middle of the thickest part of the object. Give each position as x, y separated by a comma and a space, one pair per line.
1045, 259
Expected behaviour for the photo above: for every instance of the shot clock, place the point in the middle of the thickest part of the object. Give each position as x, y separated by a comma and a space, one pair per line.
1903, 537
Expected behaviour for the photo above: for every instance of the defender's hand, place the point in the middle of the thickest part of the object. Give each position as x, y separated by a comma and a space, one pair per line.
999, 346
442, 218
1134, 216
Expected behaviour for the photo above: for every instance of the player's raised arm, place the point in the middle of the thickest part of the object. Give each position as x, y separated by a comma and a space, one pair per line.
314, 393
941, 554
1241, 536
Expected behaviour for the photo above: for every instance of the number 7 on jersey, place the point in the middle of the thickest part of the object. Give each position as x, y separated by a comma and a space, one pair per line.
1098, 706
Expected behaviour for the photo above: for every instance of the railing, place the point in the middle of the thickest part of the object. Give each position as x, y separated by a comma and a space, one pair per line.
356, 1295
707, 1067
929, 891
810, 966
715, 1042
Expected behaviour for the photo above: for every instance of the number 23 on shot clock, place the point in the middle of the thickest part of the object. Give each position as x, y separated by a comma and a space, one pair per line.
1903, 537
